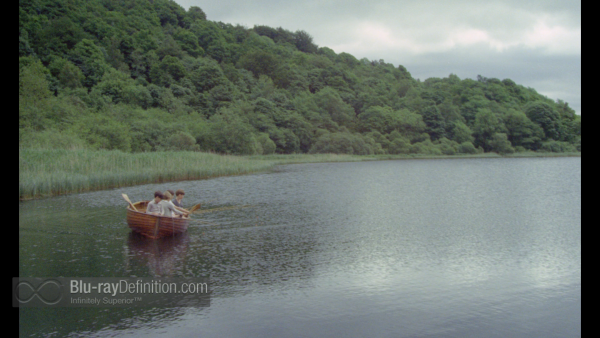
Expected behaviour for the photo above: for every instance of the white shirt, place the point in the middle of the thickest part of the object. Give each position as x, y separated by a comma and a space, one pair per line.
168, 207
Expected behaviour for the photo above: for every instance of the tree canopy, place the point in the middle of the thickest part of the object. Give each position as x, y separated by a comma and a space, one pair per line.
148, 75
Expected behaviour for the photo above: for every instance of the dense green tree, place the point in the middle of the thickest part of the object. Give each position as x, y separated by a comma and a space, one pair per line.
486, 125
145, 40
267, 145
436, 126
169, 70
409, 124
557, 147
304, 42
142, 63
229, 134
207, 76
169, 47
34, 94
461, 133
377, 118
399, 145
467, 148
499, 143
341, 143
425, 147
189, 42
447, 147
546, 117
90, 59
212, 39
58, 37
68, 75
193, 14
379, 139
102, 132
259, 63
169, 12
521, 131
450, 112
180, 141
331, 104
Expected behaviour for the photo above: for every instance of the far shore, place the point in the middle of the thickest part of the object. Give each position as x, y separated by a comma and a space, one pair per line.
52, 172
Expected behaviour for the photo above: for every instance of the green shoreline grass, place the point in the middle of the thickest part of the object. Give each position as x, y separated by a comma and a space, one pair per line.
51, 172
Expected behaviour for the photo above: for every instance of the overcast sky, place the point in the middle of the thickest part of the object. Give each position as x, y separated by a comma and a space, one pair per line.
535, 43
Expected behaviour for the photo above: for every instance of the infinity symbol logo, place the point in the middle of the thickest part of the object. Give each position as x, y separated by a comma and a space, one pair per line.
51, 294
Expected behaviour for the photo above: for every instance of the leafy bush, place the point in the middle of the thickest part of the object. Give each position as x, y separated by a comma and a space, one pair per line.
558, 147
447, 147
425, 147
467, 148
51, 139
341, 143
267, 145
500, 144
181, 141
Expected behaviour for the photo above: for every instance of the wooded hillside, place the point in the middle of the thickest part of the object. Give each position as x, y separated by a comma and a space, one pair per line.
141, 75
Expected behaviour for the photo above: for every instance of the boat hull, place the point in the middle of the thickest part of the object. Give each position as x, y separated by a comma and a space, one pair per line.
154, 226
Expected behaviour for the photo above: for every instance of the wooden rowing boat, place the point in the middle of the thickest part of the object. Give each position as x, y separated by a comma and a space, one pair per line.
154, 226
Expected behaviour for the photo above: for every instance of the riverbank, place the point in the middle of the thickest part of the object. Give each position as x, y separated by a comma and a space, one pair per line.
315, 158
51, 172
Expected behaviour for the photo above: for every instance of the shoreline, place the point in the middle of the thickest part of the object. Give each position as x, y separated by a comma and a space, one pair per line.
45, 173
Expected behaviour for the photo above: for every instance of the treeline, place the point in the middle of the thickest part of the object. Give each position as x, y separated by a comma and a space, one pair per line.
141, 75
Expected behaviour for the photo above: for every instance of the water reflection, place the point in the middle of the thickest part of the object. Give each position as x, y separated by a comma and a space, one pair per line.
164, 257
450, 248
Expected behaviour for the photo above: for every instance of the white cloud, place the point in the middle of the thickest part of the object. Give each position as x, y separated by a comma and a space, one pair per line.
554, 38
435, 37
379, 36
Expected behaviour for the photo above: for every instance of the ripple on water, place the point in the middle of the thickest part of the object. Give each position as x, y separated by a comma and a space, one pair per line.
420, 248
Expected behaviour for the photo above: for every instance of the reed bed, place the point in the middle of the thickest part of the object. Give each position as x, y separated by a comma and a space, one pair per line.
48, 172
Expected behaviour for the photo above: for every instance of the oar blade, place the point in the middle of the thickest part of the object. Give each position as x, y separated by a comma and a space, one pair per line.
126, 198
195, 207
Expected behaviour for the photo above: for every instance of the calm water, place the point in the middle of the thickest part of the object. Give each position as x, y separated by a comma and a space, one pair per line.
414, 248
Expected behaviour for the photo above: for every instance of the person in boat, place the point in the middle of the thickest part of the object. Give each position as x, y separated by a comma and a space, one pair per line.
169, 208
155, 206
177, 201
178, 198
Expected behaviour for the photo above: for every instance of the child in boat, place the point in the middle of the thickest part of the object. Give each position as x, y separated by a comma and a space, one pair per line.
168, 206
178, 197
177, 201
155, 206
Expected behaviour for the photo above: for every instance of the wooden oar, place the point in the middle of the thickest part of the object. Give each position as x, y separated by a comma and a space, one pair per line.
184, 210
128, 201
195, 207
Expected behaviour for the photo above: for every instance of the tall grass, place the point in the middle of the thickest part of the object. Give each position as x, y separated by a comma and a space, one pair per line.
47, 172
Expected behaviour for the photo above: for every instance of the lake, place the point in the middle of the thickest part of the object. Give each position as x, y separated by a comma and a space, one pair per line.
406, 248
